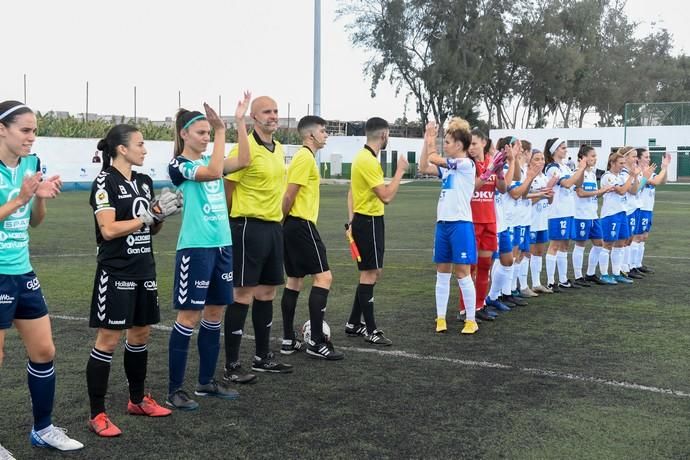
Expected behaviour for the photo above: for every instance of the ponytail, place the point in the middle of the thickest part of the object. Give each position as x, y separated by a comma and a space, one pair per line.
117, 135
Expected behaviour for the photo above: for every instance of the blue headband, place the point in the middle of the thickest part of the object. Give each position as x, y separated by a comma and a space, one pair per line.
192, 120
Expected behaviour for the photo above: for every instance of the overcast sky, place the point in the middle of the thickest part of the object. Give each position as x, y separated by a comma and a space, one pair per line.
205, 49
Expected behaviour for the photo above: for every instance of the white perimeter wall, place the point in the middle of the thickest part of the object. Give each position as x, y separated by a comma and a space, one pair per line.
71, 157
670, 137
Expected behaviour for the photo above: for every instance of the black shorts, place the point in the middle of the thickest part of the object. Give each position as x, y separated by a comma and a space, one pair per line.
121, 304
257, 252
305, 253
369, 235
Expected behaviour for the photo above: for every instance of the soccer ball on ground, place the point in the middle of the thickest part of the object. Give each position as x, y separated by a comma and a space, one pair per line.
306, 332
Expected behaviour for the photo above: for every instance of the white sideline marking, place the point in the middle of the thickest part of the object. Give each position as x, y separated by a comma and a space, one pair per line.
469, 363
48, 256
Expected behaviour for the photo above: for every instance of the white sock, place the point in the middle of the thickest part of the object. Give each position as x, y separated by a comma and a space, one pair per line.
508, 281
604, 261
593, 260
469, 296
562, 263
641, 256
442, 293
497, 280
634, 254
494, 267
578, 258
625, 263
524, 271
550, 268
516, 275
535, 263
617, 255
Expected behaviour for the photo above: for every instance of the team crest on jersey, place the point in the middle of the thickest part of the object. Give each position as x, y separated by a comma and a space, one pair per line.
582, 233
562, 232
101, 197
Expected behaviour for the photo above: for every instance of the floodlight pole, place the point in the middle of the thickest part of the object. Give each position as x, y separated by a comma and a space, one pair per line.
317, 58
625, 124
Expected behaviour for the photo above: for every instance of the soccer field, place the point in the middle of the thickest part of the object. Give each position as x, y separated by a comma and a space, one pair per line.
596, 373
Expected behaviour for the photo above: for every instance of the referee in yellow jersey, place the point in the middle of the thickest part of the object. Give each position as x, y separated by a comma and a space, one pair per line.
365, 201
305, 253
255, 196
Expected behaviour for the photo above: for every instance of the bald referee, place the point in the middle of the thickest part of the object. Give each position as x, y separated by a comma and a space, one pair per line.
365, 201
255, 196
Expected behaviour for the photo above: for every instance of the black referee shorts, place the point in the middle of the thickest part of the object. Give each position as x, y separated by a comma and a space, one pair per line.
257, 252
369, 235
305, 253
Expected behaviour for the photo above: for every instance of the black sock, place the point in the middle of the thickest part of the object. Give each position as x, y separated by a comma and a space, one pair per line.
288, 305
235, 317
356, 314
262, 318
366, 302
136, 358
97, 374
318, 297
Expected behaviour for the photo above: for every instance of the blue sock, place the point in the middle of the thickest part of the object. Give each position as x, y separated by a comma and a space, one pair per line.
209, 348
41, 378
177, 355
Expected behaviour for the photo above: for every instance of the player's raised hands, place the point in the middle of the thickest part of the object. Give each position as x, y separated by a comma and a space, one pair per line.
666, 161
243, 106
431, 131
29, 186
649, 170
49, 188
214, 120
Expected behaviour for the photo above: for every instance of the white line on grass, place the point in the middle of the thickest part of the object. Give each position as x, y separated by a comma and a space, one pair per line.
469, 363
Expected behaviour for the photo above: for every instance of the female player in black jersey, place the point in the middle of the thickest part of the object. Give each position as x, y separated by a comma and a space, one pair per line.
125, 295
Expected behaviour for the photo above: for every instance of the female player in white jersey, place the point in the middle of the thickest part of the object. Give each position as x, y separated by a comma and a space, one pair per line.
540, 196
561, 211
647, 193
586, 224
502, 270
632, 209
614, 222
23, 198
454, 242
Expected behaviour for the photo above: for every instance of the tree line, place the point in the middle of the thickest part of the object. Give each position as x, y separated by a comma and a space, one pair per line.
521, 63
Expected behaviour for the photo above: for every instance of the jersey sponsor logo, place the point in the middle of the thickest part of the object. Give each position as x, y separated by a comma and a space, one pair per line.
22, 211
6, 299
201, 284
116, 322
212, 187
139, 205
197, 302
125, 285
227, 276
33, 285
150, 285
483, 195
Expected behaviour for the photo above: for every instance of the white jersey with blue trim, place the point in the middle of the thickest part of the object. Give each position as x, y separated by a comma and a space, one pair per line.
524, 204
630, 203
647, 195
540, 209
613, 203
518, 215
586, 208
509, 204
563, 204
501, 223
457, 187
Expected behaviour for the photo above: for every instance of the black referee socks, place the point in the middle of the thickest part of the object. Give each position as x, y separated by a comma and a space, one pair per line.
235, 317
365, 294
288, 305
318, 297
262, 318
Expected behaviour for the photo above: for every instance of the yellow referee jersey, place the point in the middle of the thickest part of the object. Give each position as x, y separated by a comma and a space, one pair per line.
304, 172
259, 187
366, 174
